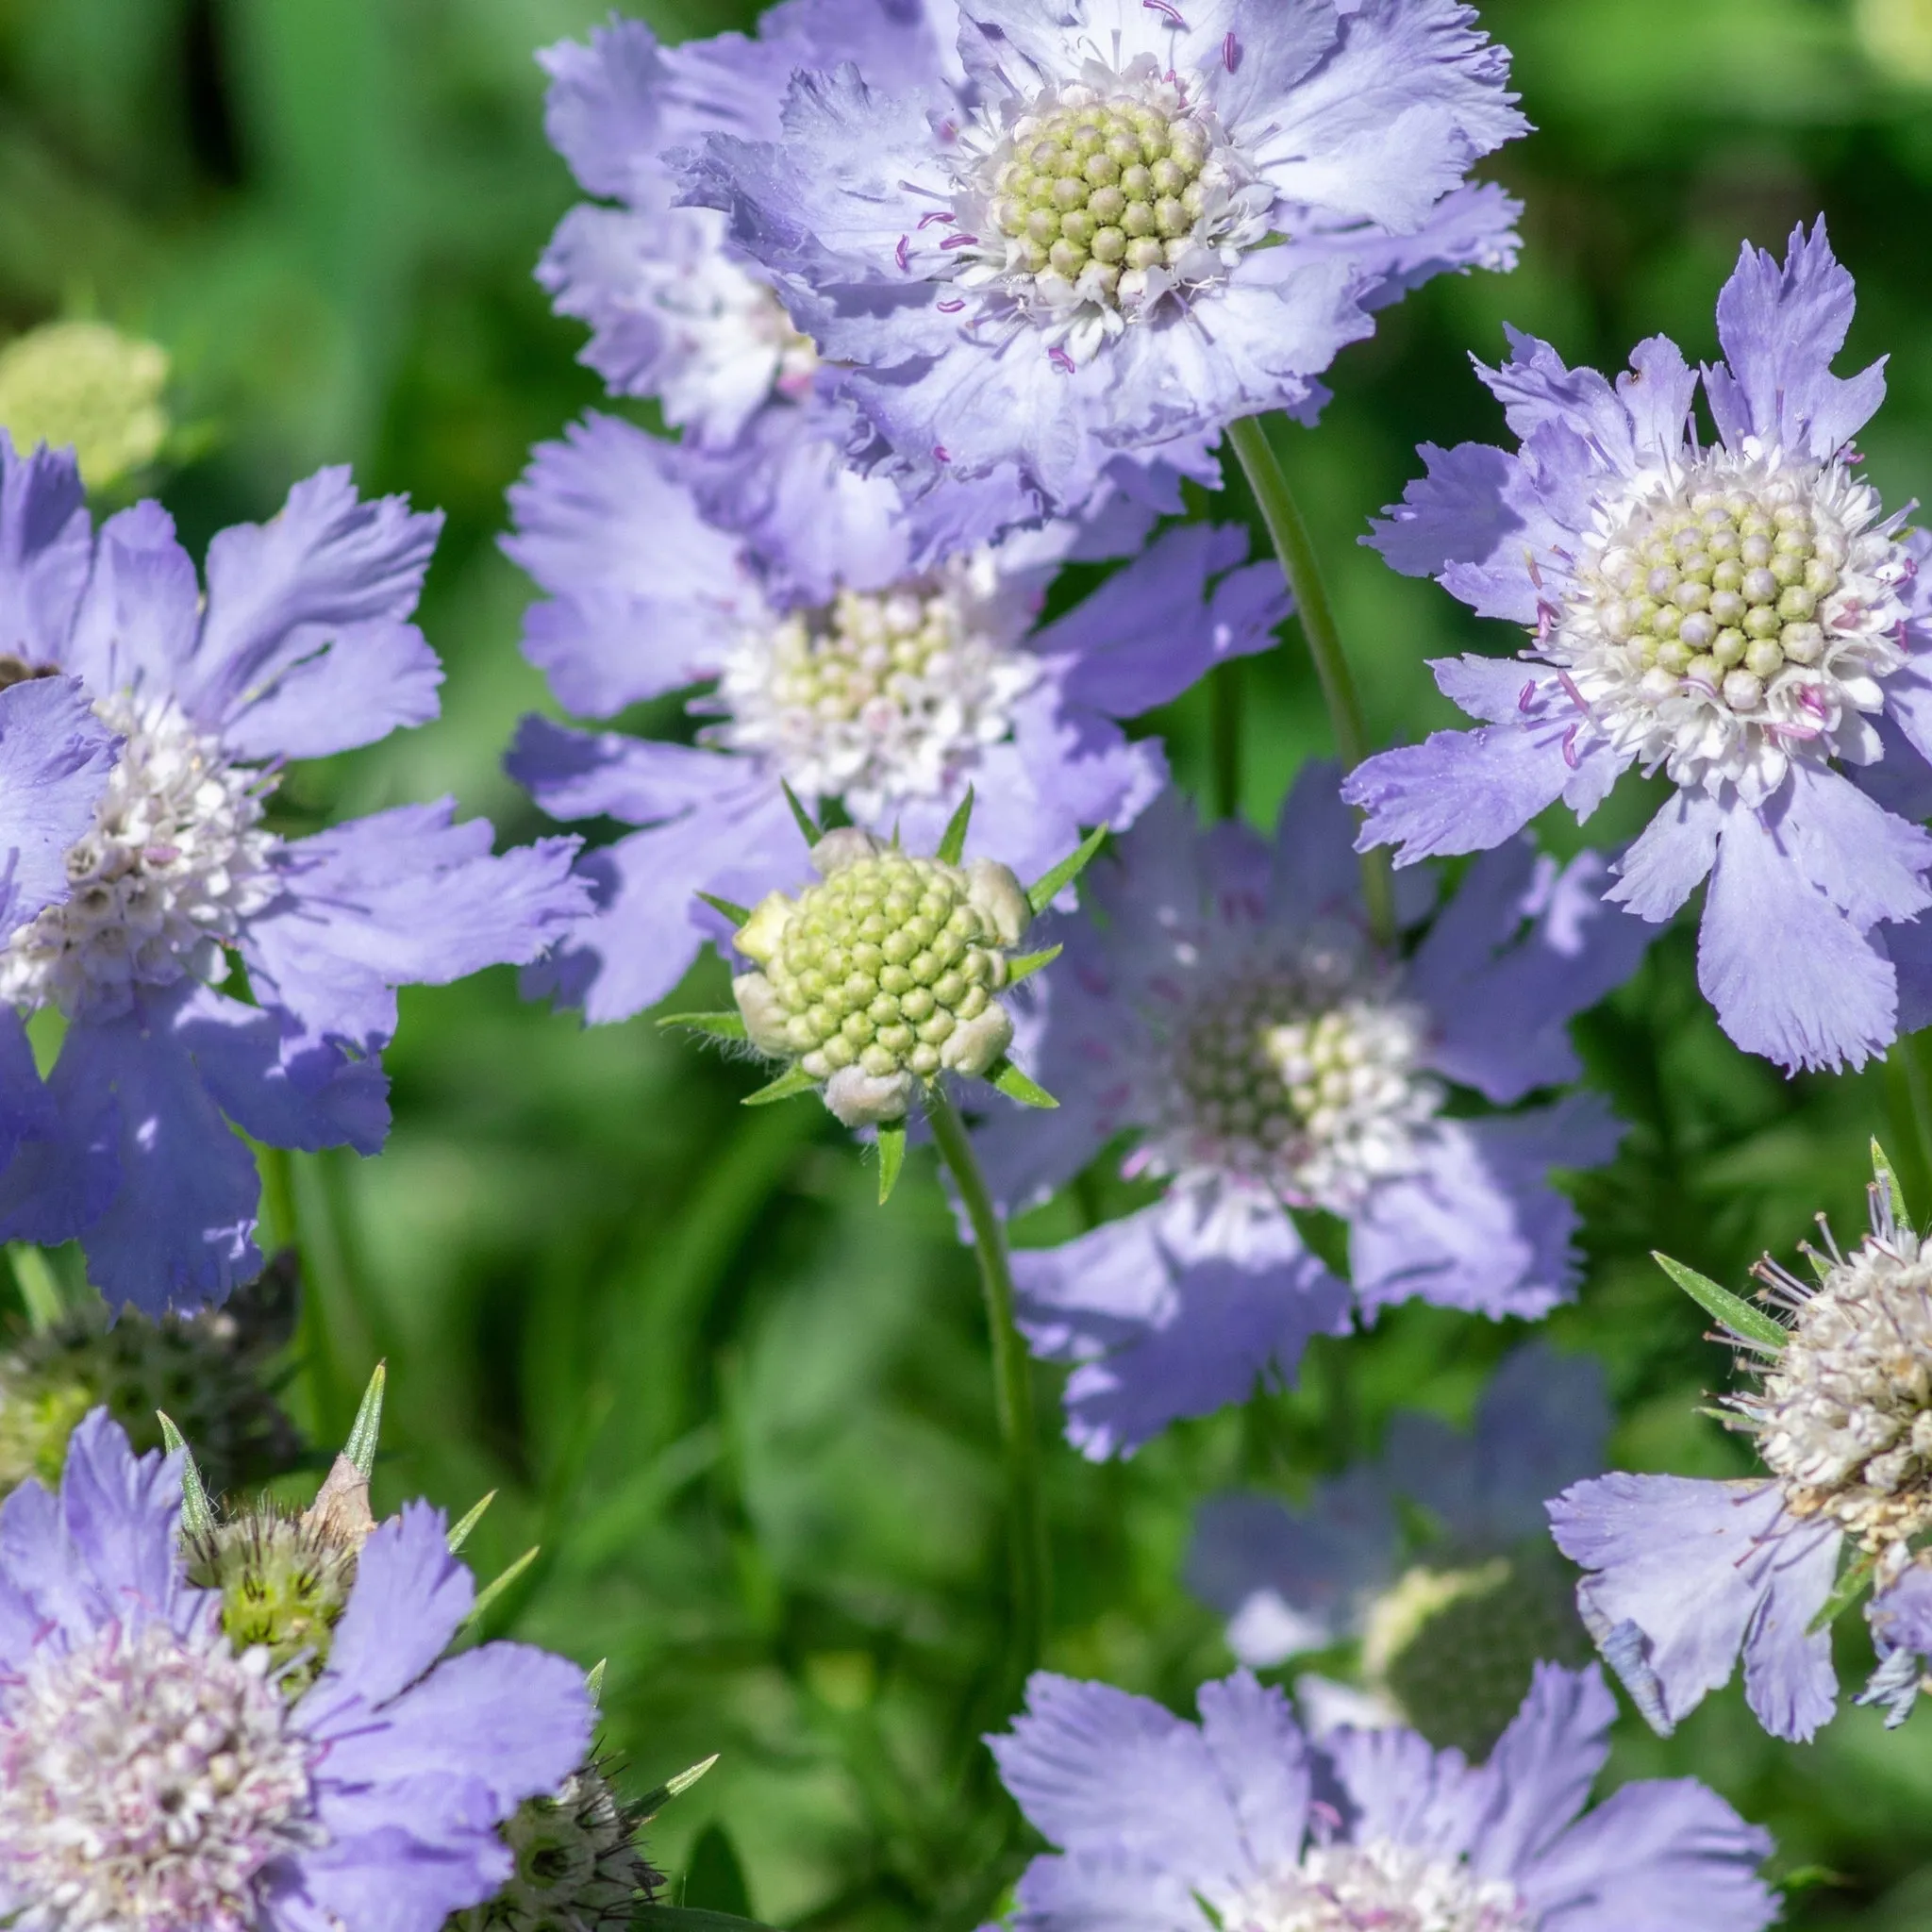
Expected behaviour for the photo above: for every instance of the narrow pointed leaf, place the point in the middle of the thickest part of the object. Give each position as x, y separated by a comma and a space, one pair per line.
1044, 891
1030, 963
1740, 1317
719, 1026
1886, 1176
655, 1800
594, 1680
460, 1532
361, 1447
952, 841
197, 1517
892, 1158
736, 913
1851, 1586
1015, 1085
807, 825
792, 1080
491, 1590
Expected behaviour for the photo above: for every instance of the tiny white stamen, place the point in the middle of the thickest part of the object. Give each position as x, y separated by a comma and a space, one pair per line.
1380, 1884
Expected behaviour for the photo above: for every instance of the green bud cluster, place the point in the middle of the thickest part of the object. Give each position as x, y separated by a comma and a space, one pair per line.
862, 648
284, 1583
577, 1865
1722, 590
1095, 188
85, 384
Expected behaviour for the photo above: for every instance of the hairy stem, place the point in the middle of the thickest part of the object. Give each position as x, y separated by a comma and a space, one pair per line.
1296, 550
1013, 1396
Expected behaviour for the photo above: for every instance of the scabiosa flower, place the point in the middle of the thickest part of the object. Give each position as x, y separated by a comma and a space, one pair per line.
1739, 615
1685, 1574
1901, 1621
1119, 222
1227, 1009
300, 646
154, 1777
1244, 1823
1450, 1622
893, 694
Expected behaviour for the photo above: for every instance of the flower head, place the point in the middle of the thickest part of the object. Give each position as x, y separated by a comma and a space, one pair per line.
1116, 224
156, 1774
1451, 1621
1228, 1009
1243, 1821
85, 384
300, 646
1738, 614
892, 693
1686, 1574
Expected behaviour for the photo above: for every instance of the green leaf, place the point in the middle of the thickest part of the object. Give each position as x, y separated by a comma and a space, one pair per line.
594, 1680
736, 913
719, 1026
495, 1589
691, 1919
460, 1532
792, 1080
1044, 891
361, 1447
1010, 1081
1851, 1586
892, 1158
714, 1876
1886, 1175
1808, 1878
807, 825
1740, 1317
952, 841
197, 1517
653, 1800
1030, 963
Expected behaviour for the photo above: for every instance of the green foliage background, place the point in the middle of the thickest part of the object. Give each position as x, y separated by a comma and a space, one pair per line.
745, 1412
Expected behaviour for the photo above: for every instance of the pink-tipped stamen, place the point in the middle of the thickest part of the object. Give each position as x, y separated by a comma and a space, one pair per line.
953, 242
952, 307
903, 254
1570, 756
1231, 53
1061, 360
1526, 696
936, 214
1168, 13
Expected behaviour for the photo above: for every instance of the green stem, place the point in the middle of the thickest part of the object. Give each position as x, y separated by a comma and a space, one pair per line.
329, 1403
1225, 719
1013, 1394
1296, 550
1911, 1095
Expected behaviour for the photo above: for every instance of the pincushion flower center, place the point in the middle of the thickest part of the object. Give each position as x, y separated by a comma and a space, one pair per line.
176, 861
1296, 1076
1734, 613
144, 1784
1845, 1416
1378, 1886
878, 698
577, 1867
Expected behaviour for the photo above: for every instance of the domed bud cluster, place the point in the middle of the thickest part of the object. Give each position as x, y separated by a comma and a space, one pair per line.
1379, 1883
883, 976
86, 385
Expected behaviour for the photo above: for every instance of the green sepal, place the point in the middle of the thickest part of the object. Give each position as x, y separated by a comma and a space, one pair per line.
655, 1800
1044, 891
719, 1026
1886, 1176
891, 1157
792, 1080
198, 1516
361, 1447
691, 1919
736, 913
1740, 1317
1030, 963
1851, 1586
1808, 1878
953, 840
807, 825
495, 1588
1015, 1085
460, 1532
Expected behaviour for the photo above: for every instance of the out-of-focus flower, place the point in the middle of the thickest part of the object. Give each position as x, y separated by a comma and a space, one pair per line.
1244, 1823
1685, 1574
86, 385
154, 1773
1742, 615
1115, 224
1223, 1005
1451, 1621
1897, 36
300, 646
893, 692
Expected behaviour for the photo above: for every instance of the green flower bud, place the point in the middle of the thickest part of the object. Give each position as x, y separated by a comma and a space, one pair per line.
84, 384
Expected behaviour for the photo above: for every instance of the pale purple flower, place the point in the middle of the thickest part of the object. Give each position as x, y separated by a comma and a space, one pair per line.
300, 646
1006, 290
1685, 1574
894, 694
1242, 1823
1223, 1004
151, 1779
1743, 615
1901, 1621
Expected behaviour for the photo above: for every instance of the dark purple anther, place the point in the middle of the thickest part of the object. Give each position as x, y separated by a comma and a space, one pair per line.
959, 242
941, 453
952, 307
1526, 697
935, 214
903, 254
1570, 756
1169, 14
1060, 360
1231, 53
1577, 698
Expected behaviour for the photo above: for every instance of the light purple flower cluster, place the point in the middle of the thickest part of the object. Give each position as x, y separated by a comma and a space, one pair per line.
1114, 226
1742, 615
151, 1779
1242, 1824
301, 646
1224, 1004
